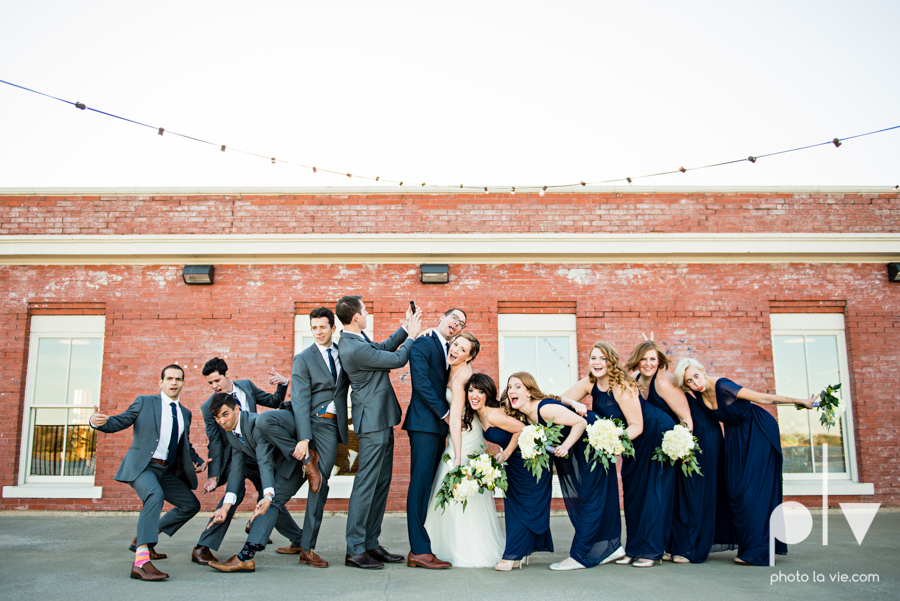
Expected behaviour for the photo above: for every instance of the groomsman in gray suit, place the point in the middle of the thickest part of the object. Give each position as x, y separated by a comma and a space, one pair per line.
319, 388
161, 465
375, 413
247, 396
267, 438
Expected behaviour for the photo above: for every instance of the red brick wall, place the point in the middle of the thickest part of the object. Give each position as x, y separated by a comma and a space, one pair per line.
717, 313
485, 213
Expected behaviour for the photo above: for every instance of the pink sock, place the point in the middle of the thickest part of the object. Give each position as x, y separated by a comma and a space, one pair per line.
141, 555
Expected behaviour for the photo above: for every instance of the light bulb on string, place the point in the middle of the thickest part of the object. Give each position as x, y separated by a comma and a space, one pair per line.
513, 191
543, 191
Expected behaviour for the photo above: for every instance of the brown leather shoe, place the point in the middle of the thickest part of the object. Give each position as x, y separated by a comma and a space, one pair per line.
311, 470
147, 572
312, 558
234, 565
250, 525
381, 554
202, 556
289, 550
153, 554
427, 560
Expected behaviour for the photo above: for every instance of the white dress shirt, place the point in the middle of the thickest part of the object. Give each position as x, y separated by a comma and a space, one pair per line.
444, 347
165, 426
337, 367
230, 497
243, 403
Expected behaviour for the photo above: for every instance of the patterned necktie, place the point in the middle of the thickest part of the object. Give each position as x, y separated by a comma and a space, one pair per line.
237, 400
331, 365
241, 438
173, 438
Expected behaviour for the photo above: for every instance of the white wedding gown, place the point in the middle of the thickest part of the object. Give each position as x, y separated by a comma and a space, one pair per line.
470, 539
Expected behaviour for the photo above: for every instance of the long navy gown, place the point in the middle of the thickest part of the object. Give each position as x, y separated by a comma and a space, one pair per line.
753, 463
526, 506
647, 485
592, 500
698, 526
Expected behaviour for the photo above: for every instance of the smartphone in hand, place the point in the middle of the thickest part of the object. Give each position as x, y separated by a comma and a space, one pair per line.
412, 306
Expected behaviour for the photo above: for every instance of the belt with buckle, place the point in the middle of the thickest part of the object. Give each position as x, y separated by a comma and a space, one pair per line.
326, 415
160, 461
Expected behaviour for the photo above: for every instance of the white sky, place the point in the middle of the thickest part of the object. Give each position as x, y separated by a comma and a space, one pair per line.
489, 92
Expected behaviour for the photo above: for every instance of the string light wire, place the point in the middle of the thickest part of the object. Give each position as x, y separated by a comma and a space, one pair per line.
836, 142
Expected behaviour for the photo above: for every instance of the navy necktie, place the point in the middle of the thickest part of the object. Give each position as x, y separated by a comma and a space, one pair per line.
366, 338
173, 439
241, 438
237, 400
447, 346
331, 365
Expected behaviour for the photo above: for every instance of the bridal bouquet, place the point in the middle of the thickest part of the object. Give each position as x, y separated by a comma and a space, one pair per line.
830, 405
482, 472
606, 438
679, 444
535, 441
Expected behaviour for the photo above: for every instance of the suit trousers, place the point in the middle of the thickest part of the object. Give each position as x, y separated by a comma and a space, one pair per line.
155, 485
213, 537
370, 490
277, 516
426, 449
326, 438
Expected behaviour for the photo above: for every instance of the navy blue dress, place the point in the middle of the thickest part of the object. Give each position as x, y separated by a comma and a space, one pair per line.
698, 528
752, 471
526, 506
592, 500
647, 485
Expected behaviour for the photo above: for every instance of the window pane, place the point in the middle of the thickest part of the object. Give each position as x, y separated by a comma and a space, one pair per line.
84, 376
81, 444
518, 355
824, 370
553, 360
47, 442
790, 380
50, 371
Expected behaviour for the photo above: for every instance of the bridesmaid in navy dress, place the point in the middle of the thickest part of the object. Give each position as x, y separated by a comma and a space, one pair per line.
752, 455
591, 496
694, 532
647, 485
527, 500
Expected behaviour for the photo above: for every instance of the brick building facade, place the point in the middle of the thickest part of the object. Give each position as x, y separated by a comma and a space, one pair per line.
732, 278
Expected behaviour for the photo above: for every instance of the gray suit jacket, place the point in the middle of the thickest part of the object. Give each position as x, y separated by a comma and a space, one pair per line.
218, 449
258, 448
369, 365
313, 388
145, 415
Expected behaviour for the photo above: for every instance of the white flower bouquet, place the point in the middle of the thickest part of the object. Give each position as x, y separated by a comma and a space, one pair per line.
482, 472
535, 441
679, 444
606, 438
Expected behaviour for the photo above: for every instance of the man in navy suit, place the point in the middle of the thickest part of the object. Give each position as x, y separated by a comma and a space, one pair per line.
426, 426
160, 465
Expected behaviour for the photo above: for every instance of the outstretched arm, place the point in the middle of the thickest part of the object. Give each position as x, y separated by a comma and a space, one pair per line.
565, 417
115, 423
572, 398
630, 405
774, 399
675, 399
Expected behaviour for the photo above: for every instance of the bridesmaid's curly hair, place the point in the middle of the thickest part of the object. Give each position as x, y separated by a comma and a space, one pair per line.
485, 384
617, 376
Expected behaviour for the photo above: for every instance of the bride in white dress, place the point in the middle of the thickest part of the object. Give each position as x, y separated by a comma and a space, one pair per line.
470, 539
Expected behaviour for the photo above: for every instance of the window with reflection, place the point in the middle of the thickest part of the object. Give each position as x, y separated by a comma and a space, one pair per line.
809, 354
63, 385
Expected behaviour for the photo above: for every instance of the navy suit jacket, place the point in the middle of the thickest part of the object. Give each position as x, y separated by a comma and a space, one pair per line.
428, 404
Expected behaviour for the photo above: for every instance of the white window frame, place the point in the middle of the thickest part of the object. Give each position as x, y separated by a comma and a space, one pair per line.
339, 486
824, 324
537, 325
52, 487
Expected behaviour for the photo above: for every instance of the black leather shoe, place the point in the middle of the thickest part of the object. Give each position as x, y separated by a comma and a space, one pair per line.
363, 560
381, 554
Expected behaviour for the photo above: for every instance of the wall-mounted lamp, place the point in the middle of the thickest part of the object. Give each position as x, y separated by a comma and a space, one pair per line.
894, 272
435, 274
198, 274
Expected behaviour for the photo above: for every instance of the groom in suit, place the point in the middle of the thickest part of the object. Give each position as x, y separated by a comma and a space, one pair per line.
375, 413
319, 386
161, 465
427, 430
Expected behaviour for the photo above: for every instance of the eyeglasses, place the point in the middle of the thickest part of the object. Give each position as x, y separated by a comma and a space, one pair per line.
458, 321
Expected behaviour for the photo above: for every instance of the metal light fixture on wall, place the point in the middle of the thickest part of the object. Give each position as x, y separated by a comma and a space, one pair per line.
198, 274
435, 274
894, 272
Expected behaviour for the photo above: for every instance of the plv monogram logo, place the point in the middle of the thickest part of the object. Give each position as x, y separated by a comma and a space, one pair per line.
792, 522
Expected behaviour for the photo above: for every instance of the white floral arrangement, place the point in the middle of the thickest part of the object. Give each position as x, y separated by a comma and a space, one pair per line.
482, 472
606, 439
534, 441
679, 444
